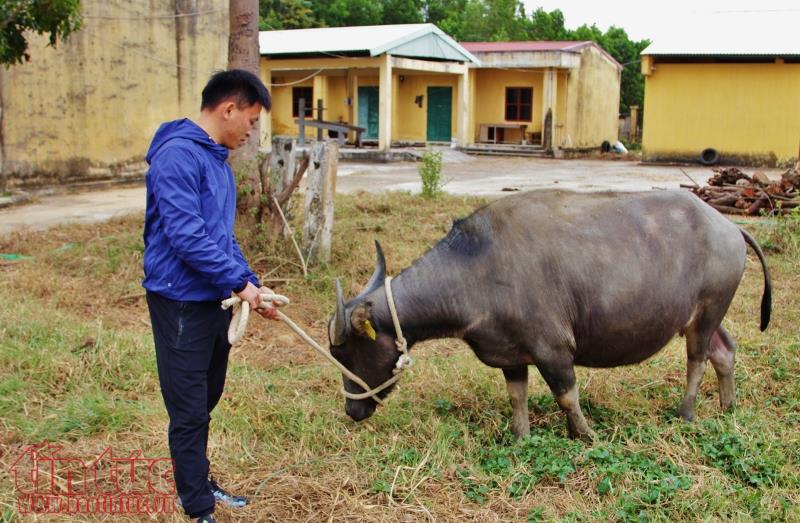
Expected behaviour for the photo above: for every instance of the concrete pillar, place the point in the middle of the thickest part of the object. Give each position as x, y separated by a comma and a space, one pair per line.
354, 98
385, 103
319, 93
463, 108
472, 97
633, 133
395, 96
548, 102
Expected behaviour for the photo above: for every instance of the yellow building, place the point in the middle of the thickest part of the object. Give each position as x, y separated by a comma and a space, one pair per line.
413, 84
400, 83
520, 83
86, 110
722, 93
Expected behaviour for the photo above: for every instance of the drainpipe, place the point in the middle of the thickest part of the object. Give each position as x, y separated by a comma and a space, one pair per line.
2, 142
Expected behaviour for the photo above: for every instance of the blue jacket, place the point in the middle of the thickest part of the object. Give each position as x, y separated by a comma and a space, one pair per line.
190, 253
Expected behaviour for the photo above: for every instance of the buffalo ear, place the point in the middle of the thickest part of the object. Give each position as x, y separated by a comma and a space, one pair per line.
359, 320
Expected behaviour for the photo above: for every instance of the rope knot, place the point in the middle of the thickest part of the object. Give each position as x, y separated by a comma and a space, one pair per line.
403, 362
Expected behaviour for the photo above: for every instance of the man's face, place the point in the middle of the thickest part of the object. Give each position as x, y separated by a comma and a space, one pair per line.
238, 123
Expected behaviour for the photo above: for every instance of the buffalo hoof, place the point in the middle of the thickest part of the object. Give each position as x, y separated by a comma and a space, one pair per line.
587, 435
686, 414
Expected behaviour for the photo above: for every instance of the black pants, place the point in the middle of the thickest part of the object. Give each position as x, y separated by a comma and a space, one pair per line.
192, 349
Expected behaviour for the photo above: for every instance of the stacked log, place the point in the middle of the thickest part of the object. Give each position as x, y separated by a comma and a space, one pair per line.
731, 191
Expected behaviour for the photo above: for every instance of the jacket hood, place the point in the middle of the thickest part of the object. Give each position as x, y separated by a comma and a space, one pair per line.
187, 130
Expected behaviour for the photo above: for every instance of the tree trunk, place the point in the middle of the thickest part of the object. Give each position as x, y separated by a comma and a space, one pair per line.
243, 53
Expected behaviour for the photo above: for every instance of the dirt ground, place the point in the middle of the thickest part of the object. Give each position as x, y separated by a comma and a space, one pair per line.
463, 174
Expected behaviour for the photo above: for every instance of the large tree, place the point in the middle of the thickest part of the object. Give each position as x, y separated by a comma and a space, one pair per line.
243, 53
57, 18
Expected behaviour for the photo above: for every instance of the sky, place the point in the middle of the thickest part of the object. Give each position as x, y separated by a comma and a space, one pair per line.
650, 19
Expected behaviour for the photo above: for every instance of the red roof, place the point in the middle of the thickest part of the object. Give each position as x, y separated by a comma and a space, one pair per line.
505, 47
569, 46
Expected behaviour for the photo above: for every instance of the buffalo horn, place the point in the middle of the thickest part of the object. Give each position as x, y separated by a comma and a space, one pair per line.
379, 275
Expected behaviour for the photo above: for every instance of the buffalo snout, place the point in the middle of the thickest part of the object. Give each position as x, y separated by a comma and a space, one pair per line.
359, 410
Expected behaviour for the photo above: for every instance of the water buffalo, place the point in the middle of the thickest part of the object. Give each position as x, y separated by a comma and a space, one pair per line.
556, 279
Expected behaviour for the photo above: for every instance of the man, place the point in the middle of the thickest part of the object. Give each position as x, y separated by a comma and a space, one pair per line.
191, 263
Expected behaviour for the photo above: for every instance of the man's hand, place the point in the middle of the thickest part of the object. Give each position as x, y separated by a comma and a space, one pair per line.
270, 312
251, 295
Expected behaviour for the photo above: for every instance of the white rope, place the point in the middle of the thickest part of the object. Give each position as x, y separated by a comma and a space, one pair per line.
291, 235
404, 361
241, 314
239, 324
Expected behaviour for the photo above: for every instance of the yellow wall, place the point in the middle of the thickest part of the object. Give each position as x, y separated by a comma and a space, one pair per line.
490, 97
281, 114
411, 121
593, 92
88, 108
335, 99
747, 112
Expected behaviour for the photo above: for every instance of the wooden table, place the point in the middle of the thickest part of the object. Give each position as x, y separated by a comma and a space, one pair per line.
485, 127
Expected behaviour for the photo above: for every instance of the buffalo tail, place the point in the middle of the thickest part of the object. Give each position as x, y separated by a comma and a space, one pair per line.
766, 298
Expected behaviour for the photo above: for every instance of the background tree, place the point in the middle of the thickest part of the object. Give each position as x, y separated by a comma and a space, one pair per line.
341, 13
402, 12
448, 15
547, 26
286, 14
58, 18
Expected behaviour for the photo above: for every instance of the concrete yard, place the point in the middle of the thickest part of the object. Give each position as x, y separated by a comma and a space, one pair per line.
464, 174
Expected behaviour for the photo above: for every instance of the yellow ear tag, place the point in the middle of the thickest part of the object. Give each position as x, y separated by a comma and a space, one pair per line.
369, 330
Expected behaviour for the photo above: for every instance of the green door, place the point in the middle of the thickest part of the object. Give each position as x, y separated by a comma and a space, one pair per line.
440, 113
368, 111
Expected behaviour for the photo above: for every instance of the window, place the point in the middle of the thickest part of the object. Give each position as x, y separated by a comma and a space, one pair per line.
519, 103
307, 94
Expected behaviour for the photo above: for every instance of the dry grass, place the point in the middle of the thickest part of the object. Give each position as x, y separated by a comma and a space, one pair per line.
78, 369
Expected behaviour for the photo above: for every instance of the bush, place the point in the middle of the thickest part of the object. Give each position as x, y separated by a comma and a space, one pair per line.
431, 173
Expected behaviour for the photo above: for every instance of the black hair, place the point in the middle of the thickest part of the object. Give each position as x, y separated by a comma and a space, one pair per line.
242, 86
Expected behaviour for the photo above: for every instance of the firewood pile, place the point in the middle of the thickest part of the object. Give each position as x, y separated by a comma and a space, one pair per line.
733, 192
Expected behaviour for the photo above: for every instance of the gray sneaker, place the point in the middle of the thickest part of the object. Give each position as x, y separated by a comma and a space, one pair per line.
225, 497
207, 519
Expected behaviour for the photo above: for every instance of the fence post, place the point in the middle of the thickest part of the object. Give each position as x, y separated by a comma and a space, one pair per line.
282, 165
319, 202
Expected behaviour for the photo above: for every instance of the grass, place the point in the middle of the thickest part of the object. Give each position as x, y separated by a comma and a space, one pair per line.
77, 368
